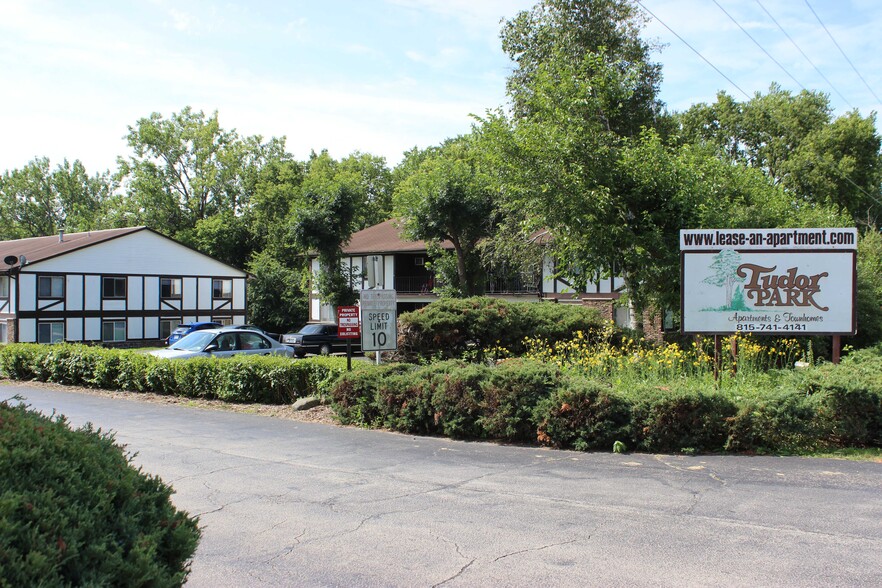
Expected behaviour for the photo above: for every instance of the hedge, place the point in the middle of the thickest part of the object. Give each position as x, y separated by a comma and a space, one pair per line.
75, 512
525, 401
457, 327
262, 379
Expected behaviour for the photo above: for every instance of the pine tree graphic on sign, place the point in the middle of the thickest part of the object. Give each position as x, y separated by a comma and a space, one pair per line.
725, 275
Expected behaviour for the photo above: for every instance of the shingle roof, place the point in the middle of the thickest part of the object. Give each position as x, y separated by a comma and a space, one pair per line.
385, 238
40, 248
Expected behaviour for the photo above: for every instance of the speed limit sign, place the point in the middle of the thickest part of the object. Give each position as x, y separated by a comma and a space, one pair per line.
379, 325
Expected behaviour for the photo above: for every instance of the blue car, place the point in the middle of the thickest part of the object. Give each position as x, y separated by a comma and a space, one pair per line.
187, 328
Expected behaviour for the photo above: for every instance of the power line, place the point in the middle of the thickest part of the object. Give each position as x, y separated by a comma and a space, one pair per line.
763, 49
798, 48
843, 52
694, 50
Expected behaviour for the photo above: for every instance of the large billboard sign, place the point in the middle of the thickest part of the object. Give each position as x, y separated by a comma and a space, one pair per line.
768, 281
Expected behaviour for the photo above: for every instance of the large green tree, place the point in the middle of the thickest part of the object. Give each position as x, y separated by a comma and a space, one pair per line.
797, 143
37, 200
186, 168
449, 197
575, 156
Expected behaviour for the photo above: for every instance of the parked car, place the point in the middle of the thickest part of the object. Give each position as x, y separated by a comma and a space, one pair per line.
187, 328
320, 338
224, 342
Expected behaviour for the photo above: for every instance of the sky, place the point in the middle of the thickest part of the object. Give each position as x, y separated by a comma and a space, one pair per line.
375, 76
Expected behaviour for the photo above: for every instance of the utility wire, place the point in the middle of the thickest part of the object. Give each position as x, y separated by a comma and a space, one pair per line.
694, 50
843, 52
798, 48
763, 49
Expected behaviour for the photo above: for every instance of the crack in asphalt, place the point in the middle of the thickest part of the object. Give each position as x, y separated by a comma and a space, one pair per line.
221, 507
459, 553
540, 548
288, 551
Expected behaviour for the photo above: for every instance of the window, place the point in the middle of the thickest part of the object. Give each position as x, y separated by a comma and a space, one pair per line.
170, 287
251, 341
222, 321
3, 333
50, 287
113, 287
50, 332
222, 288
166, 326
113, 331
4, 286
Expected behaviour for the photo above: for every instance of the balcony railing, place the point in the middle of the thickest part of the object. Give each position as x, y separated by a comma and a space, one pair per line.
414, 284
512, 286
426, 284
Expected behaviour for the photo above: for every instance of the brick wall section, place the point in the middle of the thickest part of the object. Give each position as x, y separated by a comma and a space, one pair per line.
653, 326
10, 330
605, 307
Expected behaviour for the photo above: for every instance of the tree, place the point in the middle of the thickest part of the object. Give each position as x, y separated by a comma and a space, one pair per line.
796, 143
277, 299
570, 31
37, 201
187, 168
449, 197
577, 156
322, 224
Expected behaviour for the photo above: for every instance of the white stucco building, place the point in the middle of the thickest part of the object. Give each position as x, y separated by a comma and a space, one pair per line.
117, 286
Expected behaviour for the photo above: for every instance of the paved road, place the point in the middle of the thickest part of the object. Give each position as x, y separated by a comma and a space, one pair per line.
298, 504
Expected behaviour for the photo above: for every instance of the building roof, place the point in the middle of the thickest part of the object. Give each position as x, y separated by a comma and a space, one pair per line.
41, 248
385, 238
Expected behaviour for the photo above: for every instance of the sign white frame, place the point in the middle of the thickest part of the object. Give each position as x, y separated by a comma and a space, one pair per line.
780, 290
379, 320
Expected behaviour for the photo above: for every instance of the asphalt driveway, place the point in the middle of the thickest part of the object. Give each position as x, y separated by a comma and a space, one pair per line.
284, 503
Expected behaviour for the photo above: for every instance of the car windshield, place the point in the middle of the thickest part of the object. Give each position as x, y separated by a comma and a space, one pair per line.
311, 330
181, 330
195, 341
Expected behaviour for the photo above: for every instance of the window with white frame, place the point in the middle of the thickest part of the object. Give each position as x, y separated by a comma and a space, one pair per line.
4, 286
113, 331
166, 326
50, 332
4, 334
50, 286
221, 288
222, 321
170, 287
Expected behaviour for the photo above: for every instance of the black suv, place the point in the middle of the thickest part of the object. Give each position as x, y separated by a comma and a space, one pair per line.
320, 338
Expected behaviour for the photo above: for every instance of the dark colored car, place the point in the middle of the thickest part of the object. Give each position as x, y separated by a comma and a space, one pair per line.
187, 328
255, 328
320, 338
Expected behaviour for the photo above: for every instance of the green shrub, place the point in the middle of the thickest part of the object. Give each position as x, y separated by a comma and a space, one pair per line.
75, 512
368, 395
583, 414
460, 327
676, 417
511, 393
272, 380
457, 397
778, 421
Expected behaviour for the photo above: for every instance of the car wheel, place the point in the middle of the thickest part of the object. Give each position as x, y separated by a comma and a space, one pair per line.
325, 349
300, 354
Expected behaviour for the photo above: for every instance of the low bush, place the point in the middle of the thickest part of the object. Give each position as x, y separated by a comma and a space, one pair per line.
584, 415
461, 327
270, 380
74, 511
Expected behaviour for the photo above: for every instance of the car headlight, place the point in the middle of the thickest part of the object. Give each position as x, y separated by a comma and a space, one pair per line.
289, 339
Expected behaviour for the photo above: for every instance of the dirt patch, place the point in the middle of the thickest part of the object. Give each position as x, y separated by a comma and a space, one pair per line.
319, 414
